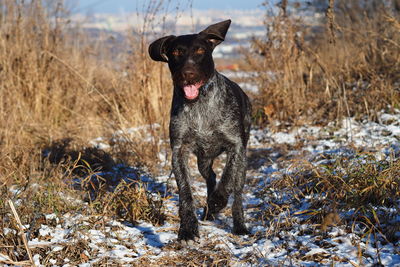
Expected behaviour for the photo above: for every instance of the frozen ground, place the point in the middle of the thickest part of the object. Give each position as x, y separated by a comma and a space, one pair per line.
283, 233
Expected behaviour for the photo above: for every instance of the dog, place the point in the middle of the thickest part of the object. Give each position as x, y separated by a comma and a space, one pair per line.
210, 114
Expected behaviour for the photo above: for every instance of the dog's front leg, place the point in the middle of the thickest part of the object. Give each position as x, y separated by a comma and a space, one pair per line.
188, 229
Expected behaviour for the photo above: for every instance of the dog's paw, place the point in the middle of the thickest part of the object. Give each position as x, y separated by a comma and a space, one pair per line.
216, 202
187, 233
207, 215
189, 243
240, 230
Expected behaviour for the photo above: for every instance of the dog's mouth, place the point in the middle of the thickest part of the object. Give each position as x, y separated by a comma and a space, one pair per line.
192, 90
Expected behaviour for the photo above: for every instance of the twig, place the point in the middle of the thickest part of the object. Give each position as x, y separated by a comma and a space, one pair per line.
16, 263
283, 6
4, 259
331, 21
21, 231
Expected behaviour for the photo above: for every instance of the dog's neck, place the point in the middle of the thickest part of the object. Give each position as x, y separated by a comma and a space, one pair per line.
211, 81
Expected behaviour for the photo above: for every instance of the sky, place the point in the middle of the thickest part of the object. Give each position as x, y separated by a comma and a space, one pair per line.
120, 6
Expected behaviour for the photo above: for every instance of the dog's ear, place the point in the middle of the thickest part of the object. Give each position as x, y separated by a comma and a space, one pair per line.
158, 48
215, 33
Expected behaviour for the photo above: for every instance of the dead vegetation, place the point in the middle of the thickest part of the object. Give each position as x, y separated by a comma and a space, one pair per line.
58, 85
357, 183
361, 189
348, 65
58, 90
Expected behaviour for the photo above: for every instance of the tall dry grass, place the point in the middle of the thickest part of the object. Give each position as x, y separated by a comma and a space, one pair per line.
59, 89
352, 68
57, 83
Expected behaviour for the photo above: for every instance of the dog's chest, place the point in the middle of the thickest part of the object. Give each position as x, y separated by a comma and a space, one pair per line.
204, 130
202, 123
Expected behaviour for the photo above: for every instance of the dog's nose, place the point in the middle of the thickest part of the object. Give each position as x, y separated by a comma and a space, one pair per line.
188, 74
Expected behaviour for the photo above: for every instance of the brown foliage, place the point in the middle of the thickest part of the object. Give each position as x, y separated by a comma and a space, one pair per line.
350, 69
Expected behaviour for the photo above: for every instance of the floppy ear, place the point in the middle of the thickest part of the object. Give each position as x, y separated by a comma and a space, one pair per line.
158, 48
215, 33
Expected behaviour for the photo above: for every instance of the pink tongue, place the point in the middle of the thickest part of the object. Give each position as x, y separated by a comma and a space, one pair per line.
192, 91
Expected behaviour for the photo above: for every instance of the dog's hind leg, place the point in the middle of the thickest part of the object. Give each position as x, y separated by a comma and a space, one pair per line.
232, 180
218, 199
205, 169
239, 226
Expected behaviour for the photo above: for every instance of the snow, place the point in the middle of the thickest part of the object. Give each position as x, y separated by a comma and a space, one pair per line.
285, 239
4, 257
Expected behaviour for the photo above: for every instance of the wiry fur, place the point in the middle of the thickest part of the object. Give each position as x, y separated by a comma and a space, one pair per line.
217, 121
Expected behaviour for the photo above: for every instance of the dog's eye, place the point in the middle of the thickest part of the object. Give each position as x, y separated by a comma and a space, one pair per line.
177, 52
200, 51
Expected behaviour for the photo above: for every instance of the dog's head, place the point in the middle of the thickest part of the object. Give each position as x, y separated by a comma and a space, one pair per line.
189, 57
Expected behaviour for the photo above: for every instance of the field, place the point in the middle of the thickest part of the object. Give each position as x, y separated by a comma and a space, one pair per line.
85, 172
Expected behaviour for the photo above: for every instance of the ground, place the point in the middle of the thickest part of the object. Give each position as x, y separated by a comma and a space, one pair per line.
293, 218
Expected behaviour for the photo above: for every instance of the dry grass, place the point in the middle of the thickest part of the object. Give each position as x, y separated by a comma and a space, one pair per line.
58, 90
209, 255
357, 183
309, 76
57, 84
130, 202
362, 185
